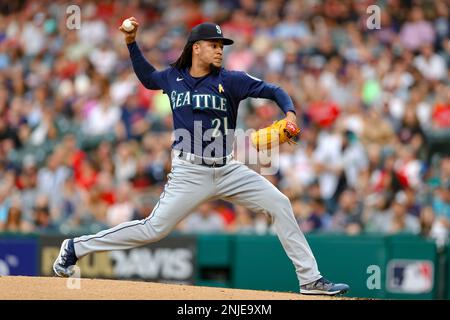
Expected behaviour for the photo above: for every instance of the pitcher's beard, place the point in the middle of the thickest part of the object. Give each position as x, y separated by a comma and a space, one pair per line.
214, 70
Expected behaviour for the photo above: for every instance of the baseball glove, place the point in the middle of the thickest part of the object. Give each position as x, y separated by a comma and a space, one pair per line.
279, 132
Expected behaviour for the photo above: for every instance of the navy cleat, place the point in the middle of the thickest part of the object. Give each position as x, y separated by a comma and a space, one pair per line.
65, 263
324, 287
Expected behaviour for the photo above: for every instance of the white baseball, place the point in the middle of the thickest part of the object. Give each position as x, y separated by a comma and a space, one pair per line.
127, 25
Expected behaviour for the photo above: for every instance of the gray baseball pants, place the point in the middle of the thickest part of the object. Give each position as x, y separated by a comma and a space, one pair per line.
191, 184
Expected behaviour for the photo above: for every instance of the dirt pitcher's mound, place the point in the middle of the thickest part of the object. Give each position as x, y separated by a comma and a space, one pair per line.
26, 288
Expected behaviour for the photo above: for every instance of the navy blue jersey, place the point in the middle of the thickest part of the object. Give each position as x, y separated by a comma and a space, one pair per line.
205, 109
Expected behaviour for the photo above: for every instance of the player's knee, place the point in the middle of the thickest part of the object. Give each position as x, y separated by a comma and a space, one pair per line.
284, 201
279, 205
159, 231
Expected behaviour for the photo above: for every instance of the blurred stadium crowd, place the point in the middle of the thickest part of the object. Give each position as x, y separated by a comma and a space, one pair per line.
84, 146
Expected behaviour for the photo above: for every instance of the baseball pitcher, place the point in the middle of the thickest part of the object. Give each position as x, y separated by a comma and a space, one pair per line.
204, 100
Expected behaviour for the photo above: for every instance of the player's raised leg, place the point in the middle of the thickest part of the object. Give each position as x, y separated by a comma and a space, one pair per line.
243, 186
188, 186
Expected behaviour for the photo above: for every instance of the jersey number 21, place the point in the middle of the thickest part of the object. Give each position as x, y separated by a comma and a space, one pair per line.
216, 123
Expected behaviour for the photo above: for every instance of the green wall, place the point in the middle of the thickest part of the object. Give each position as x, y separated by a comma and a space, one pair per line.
375, 266
259, 262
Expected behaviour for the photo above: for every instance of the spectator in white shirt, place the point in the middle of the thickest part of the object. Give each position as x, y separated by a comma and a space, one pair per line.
431, 65
103, 117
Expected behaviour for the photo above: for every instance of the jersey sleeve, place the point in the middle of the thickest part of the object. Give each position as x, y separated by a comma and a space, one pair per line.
146, 73
245, 85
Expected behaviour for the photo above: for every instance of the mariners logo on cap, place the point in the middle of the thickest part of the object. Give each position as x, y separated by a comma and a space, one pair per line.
208, 31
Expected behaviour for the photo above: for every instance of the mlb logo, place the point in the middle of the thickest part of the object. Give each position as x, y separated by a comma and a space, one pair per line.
410, 276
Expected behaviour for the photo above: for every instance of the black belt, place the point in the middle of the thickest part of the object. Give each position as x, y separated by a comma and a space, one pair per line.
207, 162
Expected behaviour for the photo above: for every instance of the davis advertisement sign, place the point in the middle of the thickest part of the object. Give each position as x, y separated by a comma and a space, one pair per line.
171, 260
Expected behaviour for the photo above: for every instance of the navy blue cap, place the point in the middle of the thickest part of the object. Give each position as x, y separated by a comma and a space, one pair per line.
208, 31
